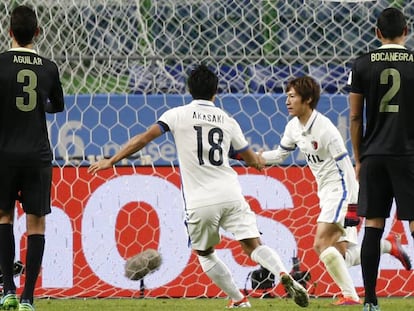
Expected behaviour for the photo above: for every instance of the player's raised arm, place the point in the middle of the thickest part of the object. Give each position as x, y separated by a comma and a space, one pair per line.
135, 144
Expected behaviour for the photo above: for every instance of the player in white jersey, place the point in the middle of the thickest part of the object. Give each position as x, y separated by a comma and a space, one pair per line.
327, 157
203, 135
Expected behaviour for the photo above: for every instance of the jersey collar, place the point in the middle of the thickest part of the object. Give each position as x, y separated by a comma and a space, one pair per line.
307, 128
23, 50
203, 102
392, 46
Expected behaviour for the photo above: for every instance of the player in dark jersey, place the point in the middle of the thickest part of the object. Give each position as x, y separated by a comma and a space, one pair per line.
29, 87
382, 87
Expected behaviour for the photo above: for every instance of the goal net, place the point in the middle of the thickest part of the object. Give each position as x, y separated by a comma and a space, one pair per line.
122, 64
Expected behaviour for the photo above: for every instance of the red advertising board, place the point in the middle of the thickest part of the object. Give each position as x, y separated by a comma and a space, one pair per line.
99, 221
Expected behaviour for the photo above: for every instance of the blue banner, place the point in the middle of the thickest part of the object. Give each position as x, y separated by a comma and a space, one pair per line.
95, 126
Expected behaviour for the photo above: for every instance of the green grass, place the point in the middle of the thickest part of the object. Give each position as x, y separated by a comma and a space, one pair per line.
279, 304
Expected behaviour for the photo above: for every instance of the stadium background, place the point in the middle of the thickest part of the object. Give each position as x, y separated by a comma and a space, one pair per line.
122, 64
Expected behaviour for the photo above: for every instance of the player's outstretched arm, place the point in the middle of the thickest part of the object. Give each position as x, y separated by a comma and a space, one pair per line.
252, 159
275, 156
135, 144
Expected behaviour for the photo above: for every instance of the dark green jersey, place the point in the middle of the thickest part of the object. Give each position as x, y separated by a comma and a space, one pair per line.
29, 87
385, 77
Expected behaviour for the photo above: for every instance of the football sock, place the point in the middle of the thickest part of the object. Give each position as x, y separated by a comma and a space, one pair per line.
353, 256
370, 257
220, 274
7, 254
337, 269
34, 256
353, 253
385, 247
412, 234
269, 259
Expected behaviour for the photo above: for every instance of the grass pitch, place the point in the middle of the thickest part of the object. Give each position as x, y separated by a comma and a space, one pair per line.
205, 304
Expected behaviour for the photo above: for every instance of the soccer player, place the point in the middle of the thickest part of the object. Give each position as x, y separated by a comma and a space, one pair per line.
29, 87
204, 134
382, 89
327, 157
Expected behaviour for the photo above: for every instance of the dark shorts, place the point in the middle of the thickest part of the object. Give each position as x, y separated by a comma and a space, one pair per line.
30, 185
383, 178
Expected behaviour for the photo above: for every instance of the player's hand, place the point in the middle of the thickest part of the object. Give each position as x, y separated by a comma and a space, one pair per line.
98, 166
261, 160
351, 218
357, 169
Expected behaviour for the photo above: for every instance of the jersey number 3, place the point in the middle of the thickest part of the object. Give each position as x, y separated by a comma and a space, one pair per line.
215, 138
29, 80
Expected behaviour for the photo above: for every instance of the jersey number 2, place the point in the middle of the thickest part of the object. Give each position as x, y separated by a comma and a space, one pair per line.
29, 80
215, 138
385, 105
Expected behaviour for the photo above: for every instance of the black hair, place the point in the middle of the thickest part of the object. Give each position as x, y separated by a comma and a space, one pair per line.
23, 24
391, 23
202, 83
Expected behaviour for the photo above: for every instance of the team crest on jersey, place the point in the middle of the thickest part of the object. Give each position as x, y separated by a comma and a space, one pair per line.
314, 144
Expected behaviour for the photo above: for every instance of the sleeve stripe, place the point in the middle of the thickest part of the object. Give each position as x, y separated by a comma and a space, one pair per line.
163, 126
242, 149
287, 148
341, 156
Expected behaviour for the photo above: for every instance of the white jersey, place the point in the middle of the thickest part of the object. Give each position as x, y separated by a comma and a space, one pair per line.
203, 134
324, 150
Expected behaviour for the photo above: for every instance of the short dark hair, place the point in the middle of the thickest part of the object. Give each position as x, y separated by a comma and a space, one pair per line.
202, 83
23, 24
307, 88
391, 23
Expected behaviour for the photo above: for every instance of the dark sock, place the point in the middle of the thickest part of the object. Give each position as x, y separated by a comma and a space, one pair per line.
412, 234
370, 257
7, 254
34, 256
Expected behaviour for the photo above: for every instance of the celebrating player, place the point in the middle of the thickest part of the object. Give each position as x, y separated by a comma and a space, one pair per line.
382, 83
30, 86
327, 157
203, 134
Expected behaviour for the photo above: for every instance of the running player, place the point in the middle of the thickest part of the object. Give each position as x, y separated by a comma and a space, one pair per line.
327, 157
203, 134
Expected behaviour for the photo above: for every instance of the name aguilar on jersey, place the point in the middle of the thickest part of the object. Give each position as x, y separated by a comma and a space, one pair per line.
392, 57
208, 117
27, 59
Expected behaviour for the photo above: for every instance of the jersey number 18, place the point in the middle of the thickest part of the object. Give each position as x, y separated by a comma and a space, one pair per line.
215, 138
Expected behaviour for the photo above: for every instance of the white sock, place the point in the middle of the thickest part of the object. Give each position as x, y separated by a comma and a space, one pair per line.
385, 246
218, 272
353, 253
353, 256
336, 267
269, 259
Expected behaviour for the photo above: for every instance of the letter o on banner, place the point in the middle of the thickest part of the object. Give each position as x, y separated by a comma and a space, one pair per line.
99, 222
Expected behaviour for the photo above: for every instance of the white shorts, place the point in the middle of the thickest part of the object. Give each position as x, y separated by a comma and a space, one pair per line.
333, 204
351, 236
236, 217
